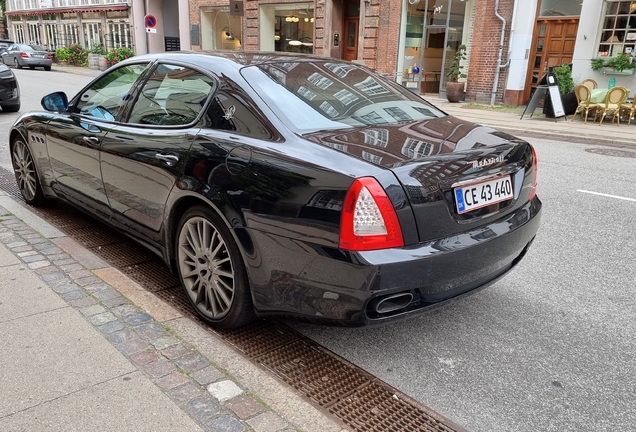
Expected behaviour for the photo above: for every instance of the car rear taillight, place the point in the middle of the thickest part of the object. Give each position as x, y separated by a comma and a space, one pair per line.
24, 55
535, 166
368, 219
49, 56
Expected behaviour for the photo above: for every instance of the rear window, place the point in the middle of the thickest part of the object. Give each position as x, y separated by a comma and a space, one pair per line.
311, 96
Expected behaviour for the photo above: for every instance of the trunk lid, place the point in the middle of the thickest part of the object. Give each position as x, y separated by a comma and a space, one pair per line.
434, 159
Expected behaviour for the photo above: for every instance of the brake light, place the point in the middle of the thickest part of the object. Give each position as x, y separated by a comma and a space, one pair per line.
49, 56
535, 166
24, 55
369, 220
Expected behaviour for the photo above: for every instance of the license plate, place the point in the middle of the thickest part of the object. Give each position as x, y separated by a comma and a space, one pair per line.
480, 195
38, 55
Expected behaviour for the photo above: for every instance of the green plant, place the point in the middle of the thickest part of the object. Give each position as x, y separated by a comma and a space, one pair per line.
563, 75
98, 48
77, 55
455, 69
62, 54
116, 55
597, 63
619, 63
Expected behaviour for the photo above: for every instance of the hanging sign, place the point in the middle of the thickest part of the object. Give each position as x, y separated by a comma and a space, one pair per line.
236, 7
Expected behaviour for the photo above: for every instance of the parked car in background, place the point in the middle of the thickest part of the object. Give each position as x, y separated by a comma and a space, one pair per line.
9, 90
286, 185
4, 44
32, 56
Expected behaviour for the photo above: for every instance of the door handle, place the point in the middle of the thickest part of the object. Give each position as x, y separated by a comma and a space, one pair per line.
91, 141
169, 159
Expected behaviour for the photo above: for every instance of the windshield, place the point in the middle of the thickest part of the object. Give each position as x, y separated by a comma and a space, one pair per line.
312, 96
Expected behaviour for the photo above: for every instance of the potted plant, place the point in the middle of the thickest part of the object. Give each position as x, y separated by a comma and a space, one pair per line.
621, 64
61, 55
116, 55
563, 74
454, 88
95, 52
77, 55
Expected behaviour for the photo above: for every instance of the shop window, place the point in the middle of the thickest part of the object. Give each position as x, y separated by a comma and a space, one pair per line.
618, 34
293, 27
220, 30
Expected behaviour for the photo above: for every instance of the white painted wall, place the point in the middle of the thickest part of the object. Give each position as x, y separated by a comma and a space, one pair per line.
521, 43
267, 28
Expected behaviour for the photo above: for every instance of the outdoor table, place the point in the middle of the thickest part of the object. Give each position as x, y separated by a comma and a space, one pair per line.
598, 95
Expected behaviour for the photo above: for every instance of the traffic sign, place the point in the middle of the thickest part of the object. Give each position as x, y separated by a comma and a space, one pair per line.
150, 20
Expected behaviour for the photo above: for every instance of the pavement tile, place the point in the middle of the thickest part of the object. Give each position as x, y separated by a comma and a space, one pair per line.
244, 406
62, 289
106, 294
150, 330
267, 422
181, 395
202, 408
88, 280
145, 357
102, 318
175, 351
125, 310
138, 318
224, 390
93, 310
77, 274
60, 282
207, 375
115, 301
36, 238
164, 342
132, 346
59, 258
172, 380
97, 286
38, 264
112, 327
28, 253
73, 295
22, 249
84, 301
53, 276
159, 368
16, 244
62, 262
191, 363
224, 424
124, 335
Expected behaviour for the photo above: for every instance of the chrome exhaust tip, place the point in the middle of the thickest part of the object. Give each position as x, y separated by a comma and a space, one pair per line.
391, 303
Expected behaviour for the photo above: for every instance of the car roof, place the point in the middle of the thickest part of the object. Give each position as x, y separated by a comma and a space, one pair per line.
240, 58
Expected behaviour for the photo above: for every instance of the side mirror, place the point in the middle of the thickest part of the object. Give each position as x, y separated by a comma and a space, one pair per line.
55, 102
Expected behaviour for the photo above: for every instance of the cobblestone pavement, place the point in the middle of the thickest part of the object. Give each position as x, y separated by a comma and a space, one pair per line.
212, 398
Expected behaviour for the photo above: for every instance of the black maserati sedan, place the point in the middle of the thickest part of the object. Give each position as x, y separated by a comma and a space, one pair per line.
286, 185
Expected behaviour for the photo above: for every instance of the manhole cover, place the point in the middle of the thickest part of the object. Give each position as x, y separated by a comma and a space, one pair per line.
612, 152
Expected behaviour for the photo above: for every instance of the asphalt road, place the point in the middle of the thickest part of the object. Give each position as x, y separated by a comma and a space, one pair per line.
550, 347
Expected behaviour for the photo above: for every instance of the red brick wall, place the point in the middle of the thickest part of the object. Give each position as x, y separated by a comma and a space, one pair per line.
485, 49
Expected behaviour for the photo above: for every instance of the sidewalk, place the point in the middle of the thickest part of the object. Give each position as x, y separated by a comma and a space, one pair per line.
85, 348
510, 122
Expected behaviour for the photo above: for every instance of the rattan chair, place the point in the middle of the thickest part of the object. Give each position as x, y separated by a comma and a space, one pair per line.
583, 95
630, 108
615, 97
589, 83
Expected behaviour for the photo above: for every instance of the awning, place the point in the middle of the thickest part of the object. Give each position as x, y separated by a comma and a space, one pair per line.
104, 8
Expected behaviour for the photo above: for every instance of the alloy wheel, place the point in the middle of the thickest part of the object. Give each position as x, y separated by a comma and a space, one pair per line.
25, 171
206, 268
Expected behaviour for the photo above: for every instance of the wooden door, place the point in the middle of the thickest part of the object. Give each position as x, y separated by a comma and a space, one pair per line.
350, 51
553, 45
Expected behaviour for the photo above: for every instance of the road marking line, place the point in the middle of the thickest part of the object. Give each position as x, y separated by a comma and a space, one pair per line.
609, 196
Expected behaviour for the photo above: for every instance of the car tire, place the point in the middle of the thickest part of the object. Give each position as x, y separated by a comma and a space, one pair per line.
211, 269
10, 108
47, 68
17, 63
26, 174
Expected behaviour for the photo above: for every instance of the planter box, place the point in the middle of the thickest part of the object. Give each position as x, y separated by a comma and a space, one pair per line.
610, 71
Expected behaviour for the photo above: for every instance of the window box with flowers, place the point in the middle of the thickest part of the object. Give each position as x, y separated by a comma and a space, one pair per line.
115, 55
621, 64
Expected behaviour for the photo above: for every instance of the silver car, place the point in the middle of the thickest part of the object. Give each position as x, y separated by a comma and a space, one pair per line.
20, 55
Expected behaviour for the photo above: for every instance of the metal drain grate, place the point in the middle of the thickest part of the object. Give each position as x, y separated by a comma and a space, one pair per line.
358, 399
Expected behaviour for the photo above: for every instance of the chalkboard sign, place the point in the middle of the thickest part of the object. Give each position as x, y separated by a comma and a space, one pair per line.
551, 86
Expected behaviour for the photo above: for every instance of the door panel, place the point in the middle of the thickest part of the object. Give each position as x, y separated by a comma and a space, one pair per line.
553, 44
350, 51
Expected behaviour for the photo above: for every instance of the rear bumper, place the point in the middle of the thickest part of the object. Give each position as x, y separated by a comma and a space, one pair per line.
345, 288
35, 62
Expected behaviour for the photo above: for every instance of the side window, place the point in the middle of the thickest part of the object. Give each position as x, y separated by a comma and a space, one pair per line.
106, 97
233, 110
173, 95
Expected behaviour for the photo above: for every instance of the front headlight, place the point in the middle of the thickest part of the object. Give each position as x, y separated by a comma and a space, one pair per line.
6, 74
